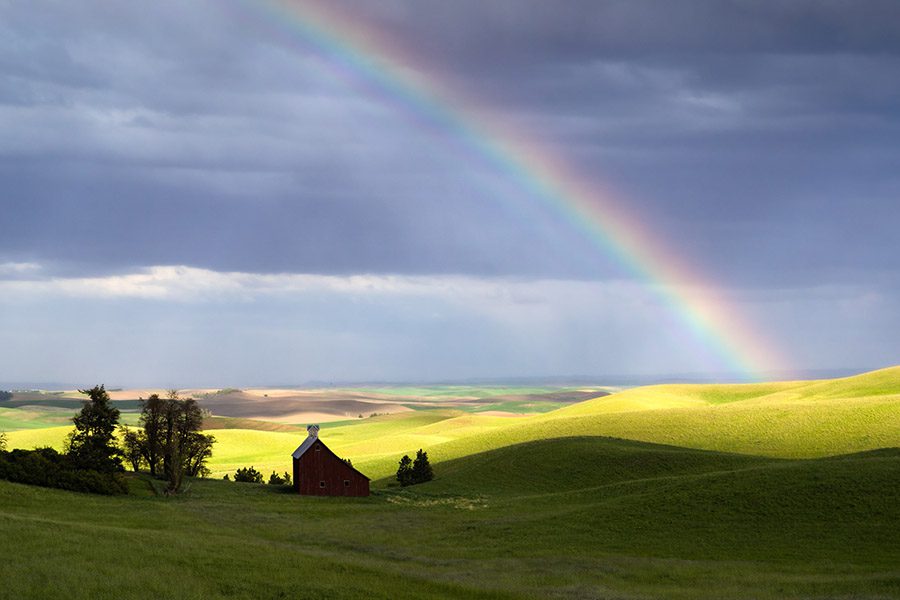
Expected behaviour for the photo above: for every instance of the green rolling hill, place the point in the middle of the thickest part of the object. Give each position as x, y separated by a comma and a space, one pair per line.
803, 419
578, 517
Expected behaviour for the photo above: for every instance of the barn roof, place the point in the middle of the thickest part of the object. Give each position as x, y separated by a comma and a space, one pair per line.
312, 438
313, 435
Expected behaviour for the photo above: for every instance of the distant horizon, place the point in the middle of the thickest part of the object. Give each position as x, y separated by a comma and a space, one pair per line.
619, 380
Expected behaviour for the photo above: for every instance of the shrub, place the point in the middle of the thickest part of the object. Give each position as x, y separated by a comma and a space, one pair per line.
226, 478
48, 468
276, 479
248, 475
2, 441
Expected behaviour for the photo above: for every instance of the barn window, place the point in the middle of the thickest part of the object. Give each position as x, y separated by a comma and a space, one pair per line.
322, 484
346, 483
318, 447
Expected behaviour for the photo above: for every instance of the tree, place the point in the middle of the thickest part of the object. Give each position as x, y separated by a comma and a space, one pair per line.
404, 471
153, 421
421, 468
199, 450
132, 443
2, 441
4, 395
248, 475
92, 444
171, 443
185, 450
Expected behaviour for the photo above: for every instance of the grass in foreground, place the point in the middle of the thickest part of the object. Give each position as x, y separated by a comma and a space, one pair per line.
562, 518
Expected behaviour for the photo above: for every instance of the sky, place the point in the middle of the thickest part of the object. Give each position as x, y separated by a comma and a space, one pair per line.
202, 194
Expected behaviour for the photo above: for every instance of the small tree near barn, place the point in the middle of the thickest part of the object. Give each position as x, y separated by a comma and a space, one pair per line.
410, 472
421, 469
404, 471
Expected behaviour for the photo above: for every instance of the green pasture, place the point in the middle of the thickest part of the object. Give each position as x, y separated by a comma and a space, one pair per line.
779, 420
578, 517
12, 419
762, 491
789, 420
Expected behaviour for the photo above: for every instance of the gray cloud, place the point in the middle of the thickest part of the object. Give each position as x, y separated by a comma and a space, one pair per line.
759, 138
201, 125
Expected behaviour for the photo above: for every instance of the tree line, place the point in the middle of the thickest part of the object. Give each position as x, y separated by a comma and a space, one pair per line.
90, 459
169, 444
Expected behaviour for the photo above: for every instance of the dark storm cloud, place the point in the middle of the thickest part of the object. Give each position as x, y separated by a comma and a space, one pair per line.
759, 136
762, 136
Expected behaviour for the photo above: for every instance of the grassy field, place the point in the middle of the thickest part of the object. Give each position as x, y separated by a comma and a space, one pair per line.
784, 420
783, 490
580, 517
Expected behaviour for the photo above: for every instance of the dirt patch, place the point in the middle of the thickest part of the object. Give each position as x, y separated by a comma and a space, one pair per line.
300, 407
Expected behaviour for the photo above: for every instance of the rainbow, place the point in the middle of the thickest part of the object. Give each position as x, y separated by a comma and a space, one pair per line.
366, 58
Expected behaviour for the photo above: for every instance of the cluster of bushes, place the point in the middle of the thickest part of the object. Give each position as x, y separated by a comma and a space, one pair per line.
4, 395
276, 479
169, 444
411, 472
248, 475
91, 462
48, 468
251, 475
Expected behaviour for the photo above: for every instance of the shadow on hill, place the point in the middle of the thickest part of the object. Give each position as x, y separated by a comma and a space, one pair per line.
573, 463
682, 502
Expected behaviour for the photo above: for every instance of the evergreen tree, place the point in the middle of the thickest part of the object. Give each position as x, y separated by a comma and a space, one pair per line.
2, 441
404, 471
421, 468
92, 445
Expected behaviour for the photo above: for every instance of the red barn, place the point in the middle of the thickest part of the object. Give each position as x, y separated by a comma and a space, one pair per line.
320, 472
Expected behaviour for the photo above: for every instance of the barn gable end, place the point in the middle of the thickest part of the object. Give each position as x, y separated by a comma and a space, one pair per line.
320, 472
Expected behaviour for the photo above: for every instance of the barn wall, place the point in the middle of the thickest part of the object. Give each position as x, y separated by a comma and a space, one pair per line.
319, 464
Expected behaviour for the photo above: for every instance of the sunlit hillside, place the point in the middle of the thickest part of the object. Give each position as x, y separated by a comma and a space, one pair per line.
801, 419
